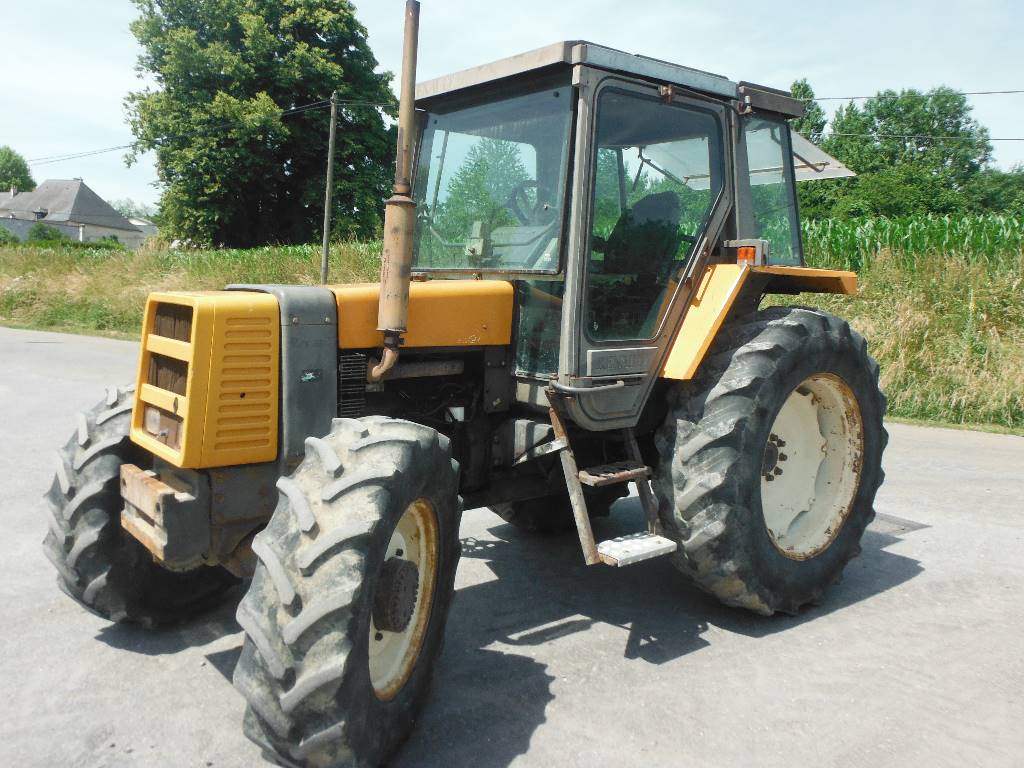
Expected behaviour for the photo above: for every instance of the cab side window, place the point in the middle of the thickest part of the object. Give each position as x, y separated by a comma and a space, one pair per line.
659, 170
773, 196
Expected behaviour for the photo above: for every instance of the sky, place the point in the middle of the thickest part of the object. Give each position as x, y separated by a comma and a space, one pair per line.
69, 64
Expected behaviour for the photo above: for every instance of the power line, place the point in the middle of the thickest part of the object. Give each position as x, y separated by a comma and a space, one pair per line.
928, 95
919, 136
75, 155
285, 113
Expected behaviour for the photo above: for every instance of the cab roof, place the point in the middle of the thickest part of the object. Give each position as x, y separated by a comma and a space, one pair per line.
572, 52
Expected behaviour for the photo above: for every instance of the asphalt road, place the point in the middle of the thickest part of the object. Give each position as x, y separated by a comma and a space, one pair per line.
915, 659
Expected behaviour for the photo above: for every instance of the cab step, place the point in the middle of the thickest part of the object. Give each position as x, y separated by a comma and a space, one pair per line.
617, 472
634, 548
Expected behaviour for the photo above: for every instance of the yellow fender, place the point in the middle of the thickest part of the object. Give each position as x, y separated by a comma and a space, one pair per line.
717, 291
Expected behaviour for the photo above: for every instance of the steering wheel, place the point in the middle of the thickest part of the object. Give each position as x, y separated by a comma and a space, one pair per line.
528, 213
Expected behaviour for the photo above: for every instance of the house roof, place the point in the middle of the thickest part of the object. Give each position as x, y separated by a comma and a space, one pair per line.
66, 200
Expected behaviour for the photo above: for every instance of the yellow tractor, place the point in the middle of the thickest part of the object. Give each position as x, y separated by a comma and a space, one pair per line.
575, 256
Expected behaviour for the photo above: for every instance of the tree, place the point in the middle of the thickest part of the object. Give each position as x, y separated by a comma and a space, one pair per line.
14, 171
481, 187
907, 189
812, 125
934, 131
40, 232
995, 191
235, 170
131, 209
913, 153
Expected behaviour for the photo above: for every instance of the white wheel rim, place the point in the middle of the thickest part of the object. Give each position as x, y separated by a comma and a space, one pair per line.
392, 655
813, 459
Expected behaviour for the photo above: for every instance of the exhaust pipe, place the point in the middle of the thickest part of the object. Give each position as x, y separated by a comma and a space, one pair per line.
399, 212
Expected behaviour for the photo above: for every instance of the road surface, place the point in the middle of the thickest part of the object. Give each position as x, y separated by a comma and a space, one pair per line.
915, 659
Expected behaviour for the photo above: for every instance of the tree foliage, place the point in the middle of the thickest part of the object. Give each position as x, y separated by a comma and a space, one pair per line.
132, 209
913, 153
235, 171
934, 131
14, 171
812, 124
40, 232
481, 187
997, 191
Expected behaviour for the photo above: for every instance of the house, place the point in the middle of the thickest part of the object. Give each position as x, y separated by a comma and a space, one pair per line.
71, 207
147, 227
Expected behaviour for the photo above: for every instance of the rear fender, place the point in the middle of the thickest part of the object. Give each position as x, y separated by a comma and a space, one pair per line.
728, 289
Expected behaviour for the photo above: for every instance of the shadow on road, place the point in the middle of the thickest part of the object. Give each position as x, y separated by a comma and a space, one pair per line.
488, 701
202, 630
543, 592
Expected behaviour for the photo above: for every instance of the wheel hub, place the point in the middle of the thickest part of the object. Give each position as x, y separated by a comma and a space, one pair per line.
402, 600
396, 594
770, 468
809, 485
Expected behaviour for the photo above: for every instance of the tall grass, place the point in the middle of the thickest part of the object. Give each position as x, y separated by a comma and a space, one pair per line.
941, 305
73, 289
940, 299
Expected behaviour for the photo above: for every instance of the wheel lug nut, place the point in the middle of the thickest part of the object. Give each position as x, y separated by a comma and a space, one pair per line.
782, 457
399, 552
379, 636
778, 470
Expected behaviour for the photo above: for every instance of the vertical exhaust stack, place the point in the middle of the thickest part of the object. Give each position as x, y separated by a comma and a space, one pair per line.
399, 211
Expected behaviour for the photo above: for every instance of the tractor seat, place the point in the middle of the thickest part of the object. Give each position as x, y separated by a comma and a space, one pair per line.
645, 238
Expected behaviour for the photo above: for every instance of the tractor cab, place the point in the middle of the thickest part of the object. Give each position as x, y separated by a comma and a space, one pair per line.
607, 183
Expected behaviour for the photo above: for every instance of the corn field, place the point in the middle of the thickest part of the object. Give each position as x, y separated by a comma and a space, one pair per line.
997, 242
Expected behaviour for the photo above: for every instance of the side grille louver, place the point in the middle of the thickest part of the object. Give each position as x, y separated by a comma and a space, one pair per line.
351, 385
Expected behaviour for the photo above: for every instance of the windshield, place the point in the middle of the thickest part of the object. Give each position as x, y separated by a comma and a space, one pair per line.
490, 184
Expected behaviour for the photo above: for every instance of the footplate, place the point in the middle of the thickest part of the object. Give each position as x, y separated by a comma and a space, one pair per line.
635, 548
609, 474
171, 523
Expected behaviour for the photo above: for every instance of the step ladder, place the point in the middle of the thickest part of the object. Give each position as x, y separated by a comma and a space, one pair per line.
623, 550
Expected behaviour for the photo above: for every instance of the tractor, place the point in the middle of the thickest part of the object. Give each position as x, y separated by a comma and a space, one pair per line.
576, 259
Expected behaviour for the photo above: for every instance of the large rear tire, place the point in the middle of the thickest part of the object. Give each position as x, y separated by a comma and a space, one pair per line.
98, 563
771, 457
346, 612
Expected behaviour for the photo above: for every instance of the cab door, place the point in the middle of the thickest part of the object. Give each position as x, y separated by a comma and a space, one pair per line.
653, 196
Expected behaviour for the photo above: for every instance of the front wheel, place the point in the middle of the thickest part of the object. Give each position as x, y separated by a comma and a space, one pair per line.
771, 457
346, 612
99, 564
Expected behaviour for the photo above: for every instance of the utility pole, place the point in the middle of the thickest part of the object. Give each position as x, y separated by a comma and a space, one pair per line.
330, 189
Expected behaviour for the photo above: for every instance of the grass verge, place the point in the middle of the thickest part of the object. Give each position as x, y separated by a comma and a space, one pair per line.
948, 330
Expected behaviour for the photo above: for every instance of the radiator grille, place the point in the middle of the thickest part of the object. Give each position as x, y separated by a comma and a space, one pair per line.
351, 385
173, 321
207, 391
167, 373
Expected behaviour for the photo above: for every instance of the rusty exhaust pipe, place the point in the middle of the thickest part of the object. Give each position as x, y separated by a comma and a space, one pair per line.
399, 212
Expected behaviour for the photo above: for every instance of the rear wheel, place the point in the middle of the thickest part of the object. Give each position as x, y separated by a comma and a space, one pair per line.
346, 612
771, 457
98, 563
